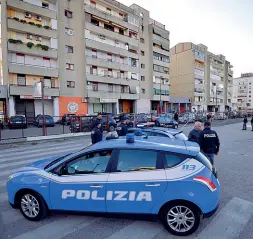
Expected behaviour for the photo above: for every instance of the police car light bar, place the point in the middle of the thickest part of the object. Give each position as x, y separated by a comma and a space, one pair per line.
130, 138
207, 182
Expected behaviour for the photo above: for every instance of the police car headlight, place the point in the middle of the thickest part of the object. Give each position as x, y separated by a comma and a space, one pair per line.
10, 177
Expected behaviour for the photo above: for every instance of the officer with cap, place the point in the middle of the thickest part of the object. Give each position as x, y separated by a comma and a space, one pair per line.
129, 123
96, 134
122, 128
209, 141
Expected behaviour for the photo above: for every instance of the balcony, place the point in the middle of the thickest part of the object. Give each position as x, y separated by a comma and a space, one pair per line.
161, 63
109, 48
34, 51
27, 28
104, 15
28, 90
111, 80
160, 39
161, 75
161, 51
111, 95
217, 66
110, 64
110, 34
162, 98
27, 7
33, 70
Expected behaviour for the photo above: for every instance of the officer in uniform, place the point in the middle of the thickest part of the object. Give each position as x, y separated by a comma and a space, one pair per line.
122, 128
129, 123
96, 134
154, 120
99, 119
209, 141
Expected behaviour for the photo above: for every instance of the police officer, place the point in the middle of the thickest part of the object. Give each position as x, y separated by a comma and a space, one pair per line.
129, 123
98, 119
154, 120
209, 141
122, 128
96, 134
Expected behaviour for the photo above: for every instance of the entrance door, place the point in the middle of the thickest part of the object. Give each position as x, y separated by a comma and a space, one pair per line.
25, 107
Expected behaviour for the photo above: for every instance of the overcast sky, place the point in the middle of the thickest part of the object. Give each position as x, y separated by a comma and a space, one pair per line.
224, 26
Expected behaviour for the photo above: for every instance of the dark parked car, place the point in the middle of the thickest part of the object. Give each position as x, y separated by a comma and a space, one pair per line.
49, 121
167, 122
17, 121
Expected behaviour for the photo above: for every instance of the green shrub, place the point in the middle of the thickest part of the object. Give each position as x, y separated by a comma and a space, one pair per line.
39, 25
30, 45
19, 41
39, 45
23, 21
15, 41
32, 23
48, 27
44, 48
16, 19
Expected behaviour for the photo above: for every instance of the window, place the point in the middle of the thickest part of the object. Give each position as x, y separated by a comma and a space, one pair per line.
121, 31
45, 5
69, 31
68, 14
110, 88
108, 10
122, 89
142, 78
171, 160
38, 18
94, 22
93, 70
94, 54
109, 57
121, 60
135, 160
95, 86
21, 80
70, 84
29, 36
143, 91
69, 49
69, 66
95, 162
38, 38
143, 66
109, 27
142, 53
142, 40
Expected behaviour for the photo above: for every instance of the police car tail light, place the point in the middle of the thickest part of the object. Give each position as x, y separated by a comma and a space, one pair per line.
207, 182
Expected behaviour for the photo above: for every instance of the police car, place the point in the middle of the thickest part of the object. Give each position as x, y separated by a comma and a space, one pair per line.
150, 175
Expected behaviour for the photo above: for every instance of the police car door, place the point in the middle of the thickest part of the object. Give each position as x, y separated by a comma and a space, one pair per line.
81, 187
136, 183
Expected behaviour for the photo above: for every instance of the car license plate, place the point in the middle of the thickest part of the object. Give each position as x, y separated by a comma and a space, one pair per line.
18, 122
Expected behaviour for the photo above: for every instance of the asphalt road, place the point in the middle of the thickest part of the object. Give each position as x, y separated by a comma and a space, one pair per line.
233, 220
60, 129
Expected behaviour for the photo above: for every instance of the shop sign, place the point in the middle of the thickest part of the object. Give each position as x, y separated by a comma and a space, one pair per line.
108, 100
72, 107
37, 90
36, 98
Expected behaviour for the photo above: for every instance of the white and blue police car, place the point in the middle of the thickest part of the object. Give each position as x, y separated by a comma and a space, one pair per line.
165, 177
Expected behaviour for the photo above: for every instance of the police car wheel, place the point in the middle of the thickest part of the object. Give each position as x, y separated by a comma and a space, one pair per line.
181, 218
32, 206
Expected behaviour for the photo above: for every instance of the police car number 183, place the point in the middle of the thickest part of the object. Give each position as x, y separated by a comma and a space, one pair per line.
145, 175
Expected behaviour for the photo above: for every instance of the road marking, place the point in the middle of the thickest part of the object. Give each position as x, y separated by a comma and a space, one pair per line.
137, 230
59, 228
230, 221
11, 216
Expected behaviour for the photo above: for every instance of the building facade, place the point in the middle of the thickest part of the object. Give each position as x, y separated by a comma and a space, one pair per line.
92, 56
206, 78
243, 91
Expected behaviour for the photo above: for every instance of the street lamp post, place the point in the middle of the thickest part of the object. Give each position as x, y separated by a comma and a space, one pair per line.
43, 107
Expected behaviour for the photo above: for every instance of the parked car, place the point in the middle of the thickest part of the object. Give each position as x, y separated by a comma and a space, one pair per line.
1, 124
66, 119
49, 121
18, 121
167, 122
220, 116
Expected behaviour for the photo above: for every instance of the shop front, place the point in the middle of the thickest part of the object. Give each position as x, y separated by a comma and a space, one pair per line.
127, 106
96, 105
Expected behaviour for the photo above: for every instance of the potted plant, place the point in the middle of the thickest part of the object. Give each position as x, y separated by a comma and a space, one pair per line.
39, 45
19, 42
23, 21
44, 48
48, 27
16, 19
30, 45
39, 25
32, 23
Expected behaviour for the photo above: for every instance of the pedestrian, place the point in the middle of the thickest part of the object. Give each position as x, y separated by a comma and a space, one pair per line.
194, 134
245, 121
209, 141
155, 121
99, 119
209, 118
176, 116
251, 123
129, 123
96, 134
122, 128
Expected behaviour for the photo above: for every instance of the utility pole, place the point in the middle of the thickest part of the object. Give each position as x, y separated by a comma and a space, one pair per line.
43, 107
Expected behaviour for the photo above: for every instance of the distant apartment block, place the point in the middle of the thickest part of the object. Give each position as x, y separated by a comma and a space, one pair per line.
93, 56
243, 91
204, 77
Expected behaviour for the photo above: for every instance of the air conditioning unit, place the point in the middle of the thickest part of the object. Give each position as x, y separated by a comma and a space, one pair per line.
28, 15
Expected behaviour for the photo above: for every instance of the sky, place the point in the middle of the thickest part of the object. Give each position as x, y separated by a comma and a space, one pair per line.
224, 26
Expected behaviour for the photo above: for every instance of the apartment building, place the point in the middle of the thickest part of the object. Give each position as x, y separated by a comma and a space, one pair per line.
244, 91
204, 77
92, 55
29, 51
